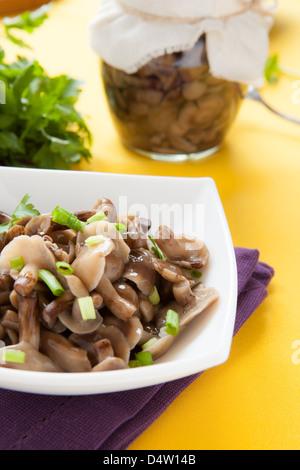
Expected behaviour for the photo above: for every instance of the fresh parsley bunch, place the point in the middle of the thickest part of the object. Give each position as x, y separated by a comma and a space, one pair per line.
39, 124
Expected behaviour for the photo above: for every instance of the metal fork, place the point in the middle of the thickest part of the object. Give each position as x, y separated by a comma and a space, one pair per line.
254, 95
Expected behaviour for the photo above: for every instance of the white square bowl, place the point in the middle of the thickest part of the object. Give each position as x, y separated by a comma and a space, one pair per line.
189, 205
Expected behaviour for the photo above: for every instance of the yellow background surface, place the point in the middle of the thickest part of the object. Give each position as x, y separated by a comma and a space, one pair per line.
251, 401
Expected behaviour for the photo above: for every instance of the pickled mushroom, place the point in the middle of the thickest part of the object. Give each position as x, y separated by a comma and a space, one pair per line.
113, 290
35, 255
72, 319
204, 297
187, 252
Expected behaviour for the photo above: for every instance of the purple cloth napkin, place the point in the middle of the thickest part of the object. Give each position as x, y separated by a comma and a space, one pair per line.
112, 421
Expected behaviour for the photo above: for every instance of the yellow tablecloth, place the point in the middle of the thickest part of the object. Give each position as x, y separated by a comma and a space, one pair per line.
251, 401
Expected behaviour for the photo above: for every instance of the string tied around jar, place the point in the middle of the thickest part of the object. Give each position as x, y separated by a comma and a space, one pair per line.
263, 7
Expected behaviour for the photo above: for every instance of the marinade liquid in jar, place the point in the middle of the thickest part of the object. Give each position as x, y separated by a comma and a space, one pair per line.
172, 108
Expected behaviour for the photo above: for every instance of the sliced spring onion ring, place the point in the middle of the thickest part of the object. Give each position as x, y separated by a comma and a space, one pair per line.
64, 268
17, 263
144, 357
195, 273
134, 363
64, 217
94, 240
13, 355
87, 308
121, 228
51, 281
99, 216
148, 343
154, 296
172, 322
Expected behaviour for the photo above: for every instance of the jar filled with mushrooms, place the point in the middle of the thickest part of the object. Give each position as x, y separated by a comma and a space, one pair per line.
175, 73
172, 108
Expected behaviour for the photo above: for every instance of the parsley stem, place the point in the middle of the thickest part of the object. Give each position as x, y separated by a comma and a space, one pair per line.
26, 130
289, 72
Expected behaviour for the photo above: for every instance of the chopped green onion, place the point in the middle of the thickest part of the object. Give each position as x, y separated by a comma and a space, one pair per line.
195, 273
17, 263
148, 343
94, 240
154, 296
99, 216
134, 363
144, 357
121, 228
64, 268
13, 355
51, 281
63, 217
172, 322
87, 308
156, 250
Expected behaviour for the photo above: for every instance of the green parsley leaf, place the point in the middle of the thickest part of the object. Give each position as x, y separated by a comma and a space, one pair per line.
40, 126
27, 21
25, 210
22, 210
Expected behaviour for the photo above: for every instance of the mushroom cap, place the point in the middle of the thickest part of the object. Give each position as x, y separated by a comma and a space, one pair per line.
89, 265
39, 224
72, 319
174, 274
139, 270
118, 305
169, 271
110, 363
34, 360
13, 232
107, 229
114, 266
6, 282
33, 251
185, 251
127, 292
118, 340
204, 297
105, 205
132, 328
68, 357
4, 218
146, 308
103, 349
137, 227
75, 285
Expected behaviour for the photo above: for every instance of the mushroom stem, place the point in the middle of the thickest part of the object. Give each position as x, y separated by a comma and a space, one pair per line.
103, 349
26, 280
10, 320
29, 326
114, 302
63, 353
56, 307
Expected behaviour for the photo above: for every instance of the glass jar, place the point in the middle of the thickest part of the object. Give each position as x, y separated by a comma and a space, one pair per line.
172, 108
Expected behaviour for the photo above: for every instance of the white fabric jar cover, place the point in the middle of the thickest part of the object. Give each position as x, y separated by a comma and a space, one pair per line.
127, 34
